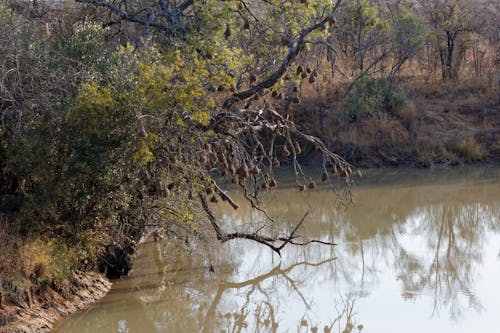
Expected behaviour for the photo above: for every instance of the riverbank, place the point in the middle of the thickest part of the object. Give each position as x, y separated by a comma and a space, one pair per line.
49, 306
441, 123
394, 209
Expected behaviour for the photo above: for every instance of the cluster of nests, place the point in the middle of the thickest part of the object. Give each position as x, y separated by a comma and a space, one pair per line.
307, 73
301, 72
240, 170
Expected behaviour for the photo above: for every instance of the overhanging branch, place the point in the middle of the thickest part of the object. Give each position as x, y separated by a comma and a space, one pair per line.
223, 237
293, 51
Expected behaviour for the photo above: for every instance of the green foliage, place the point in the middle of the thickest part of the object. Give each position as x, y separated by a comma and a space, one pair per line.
409, 33
374, 98
85, 47
397, 102
365, 16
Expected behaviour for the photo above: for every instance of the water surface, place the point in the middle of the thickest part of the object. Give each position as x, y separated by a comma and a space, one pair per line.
419, 251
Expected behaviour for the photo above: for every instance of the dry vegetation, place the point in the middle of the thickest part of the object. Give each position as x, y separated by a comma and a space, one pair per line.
444, 123
119, 118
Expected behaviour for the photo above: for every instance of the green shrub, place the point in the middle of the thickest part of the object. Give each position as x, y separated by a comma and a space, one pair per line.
398, 102
374, 98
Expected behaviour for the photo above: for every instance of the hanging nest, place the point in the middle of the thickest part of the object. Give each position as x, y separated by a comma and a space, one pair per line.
254, 170
286, 152
334, 170
324, 177
227, 33
298, 150
243, 171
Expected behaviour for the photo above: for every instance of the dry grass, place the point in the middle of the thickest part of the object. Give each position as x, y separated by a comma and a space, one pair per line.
29, 265
444, 123
469, 149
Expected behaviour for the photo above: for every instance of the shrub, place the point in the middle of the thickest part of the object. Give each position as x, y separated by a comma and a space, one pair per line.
397, 102
374, 98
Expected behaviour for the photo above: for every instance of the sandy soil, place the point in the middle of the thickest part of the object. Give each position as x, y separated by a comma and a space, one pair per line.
85, 289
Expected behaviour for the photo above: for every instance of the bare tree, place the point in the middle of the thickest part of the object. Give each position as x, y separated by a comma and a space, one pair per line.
449, 20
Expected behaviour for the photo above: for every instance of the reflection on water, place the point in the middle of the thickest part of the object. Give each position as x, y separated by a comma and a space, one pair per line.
419, 251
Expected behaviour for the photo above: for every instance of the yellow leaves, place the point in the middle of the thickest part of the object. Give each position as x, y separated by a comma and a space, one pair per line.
144, 154
94, 96
198, 63
201, 117
167, 86
94, 106
179, 62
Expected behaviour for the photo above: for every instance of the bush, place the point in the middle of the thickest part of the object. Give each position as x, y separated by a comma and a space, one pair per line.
397, 103
374, 98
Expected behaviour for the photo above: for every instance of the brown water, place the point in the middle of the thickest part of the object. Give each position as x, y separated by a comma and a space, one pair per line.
418, 252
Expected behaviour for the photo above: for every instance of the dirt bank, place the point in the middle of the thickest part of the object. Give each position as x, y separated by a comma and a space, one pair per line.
442, 125
50, 306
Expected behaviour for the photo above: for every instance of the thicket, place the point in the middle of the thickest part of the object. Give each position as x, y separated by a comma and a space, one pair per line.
116, 124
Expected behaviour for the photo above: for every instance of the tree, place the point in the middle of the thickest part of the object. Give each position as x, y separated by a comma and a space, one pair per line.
407, 36
149, 86
449, 20
362, 34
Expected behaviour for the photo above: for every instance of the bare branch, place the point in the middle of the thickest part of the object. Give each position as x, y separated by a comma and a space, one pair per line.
125, 15
225, 196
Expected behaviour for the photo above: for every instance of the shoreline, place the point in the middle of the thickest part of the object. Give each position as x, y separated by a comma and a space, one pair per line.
51, 306
88, 288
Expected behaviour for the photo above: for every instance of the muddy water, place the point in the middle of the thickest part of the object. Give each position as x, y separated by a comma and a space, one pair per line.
419, 251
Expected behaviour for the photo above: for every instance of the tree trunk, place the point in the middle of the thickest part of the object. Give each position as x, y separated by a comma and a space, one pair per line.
448, 71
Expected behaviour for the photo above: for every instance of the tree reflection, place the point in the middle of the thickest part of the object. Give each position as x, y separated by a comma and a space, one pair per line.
254, 304
264, 313
450, 221
455, 236
429, 240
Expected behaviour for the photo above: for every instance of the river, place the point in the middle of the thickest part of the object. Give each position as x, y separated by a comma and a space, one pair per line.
417, 251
